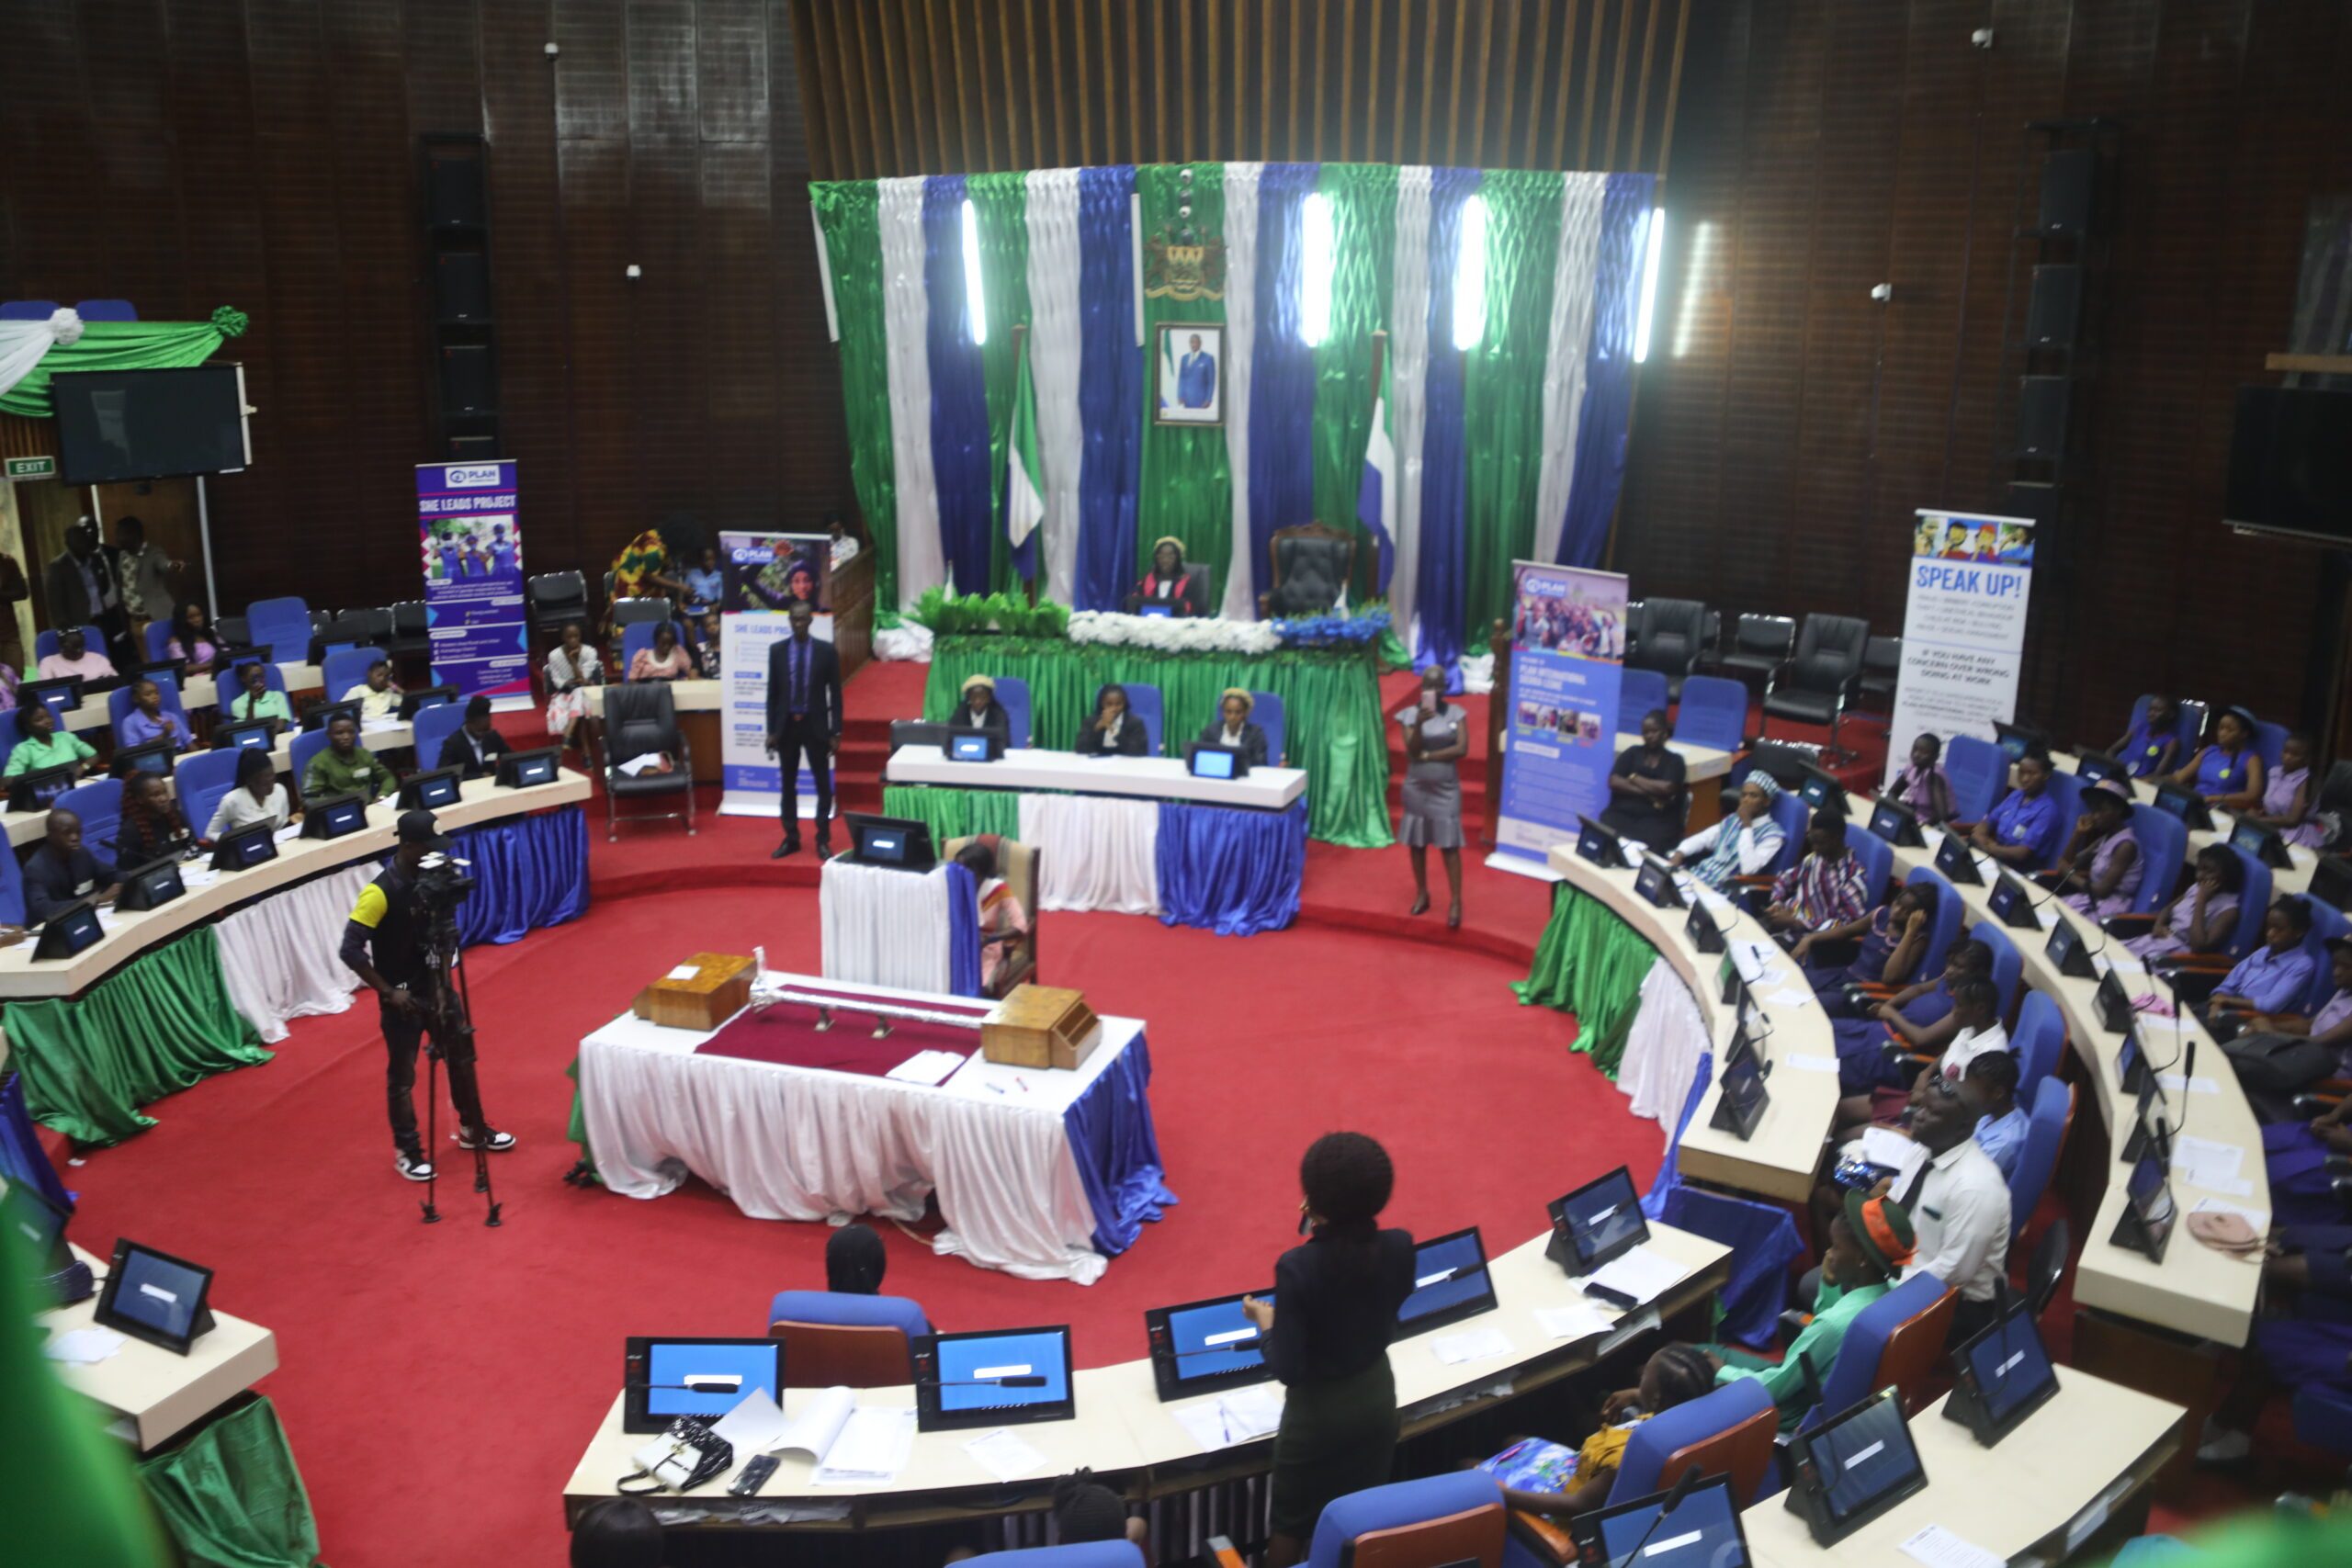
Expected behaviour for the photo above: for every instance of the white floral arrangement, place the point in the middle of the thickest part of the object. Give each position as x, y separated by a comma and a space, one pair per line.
1171, 634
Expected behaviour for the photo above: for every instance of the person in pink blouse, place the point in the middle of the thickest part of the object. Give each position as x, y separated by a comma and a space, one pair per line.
665, 660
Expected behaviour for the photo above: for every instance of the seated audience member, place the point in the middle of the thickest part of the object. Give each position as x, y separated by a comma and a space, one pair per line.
2102, 860
2025, 829
1232, 727
378, 695
1894, 942
1973, 1029
1743, 843
255, 699
618, 1532
151, 826
474, 746
1990, 1088
1869, 1240
706, 584
1113, 731
709, 659
1004, 922
2286, 799
1919, 1016
40, 745
2295, 1156
1923, 785
844, 547
1170, 584
2273, 978
1646, 797
2201, 916
2226, 774
2151, 748
1085, 1509
62, 871
665, 660
149, 720
575, 673
980, 710
342, 766
257, 797
1555, 1480
1959, 1205
75, 657
856, 1261
1823, 896
193, 639
2277, 1054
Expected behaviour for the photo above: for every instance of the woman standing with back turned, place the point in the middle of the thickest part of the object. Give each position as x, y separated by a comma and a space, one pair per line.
1327, 1335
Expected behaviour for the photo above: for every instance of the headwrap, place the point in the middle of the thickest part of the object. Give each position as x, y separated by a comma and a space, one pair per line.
972, 681
1247, 701
1883, 1230
1763, 781
1168, 539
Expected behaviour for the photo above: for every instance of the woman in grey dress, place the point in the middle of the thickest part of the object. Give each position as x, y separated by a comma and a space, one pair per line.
1437, 735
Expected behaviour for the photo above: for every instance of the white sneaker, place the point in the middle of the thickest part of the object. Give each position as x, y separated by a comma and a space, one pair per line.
493, 1140
416, 1168
2225, 1447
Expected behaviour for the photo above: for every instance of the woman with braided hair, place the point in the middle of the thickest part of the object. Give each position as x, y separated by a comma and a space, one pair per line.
1548, 1478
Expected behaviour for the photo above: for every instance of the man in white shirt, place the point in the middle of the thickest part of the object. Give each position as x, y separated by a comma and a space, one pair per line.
1959, 1205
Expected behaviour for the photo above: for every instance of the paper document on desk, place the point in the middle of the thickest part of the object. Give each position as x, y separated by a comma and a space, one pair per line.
756, 1425
813, 1432
872, 1447
2171, 1083
1640, 1274
84, 1346
926, 1067
638, 765
1787, 996
1241, 1416
286, 835
1805, 1064
378, 726
1472, 1345
1899, 1153
1575, 1321
2205, 1163
1003, 1455
1938, 1547
1753, 958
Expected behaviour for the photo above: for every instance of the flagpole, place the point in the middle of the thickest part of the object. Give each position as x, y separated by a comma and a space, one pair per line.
1379, 355
1020, 347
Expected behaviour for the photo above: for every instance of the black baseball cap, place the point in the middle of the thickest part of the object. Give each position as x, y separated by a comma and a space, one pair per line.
418, 828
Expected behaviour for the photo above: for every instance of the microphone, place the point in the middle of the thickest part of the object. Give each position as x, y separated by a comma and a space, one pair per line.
692, 1385
1248, 1341
1009, 1380
1683, 1487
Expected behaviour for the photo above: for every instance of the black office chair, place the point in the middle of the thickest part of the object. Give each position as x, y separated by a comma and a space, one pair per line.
1667, 637
1760, 644
556, 599
409, 637
1882, 667
1816, 683
234, 630
1632, 627
1787, 764
1312, 563
639, 720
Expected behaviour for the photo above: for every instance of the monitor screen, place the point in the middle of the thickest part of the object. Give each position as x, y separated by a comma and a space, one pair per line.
145, 424
71, 930
154, 1297
39, 1223
2064, 945
246, 848
336, 818
1890, 818
2008, 1365
1212, 762
1597, 845
1743, 1096
1703, 1531
975, 1380
667, 1378
1601, 1219
2128, 1060
1204, 1346
244, 737
1865, 1456
327, 713
520, 770
1823, 790
2290, 462
968, 748
435, 789
62, 697
1654, 882
885, 845
1450, 1281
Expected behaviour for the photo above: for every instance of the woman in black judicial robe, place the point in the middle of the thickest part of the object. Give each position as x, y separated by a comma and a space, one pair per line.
1114, 730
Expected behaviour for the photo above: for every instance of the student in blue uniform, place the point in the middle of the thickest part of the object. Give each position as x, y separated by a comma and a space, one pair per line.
2026, 830
2273, 978
2151, 746
2226, 774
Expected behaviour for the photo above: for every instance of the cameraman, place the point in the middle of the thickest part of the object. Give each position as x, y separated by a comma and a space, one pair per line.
391, 919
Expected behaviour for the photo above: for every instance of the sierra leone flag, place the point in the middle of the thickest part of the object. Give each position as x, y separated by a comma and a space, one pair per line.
1377, 499
1025, 475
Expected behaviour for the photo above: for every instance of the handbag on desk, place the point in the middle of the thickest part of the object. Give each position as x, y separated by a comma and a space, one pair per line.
680, 1459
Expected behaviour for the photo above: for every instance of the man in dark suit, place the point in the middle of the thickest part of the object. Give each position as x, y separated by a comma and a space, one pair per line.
805, 716
82, 589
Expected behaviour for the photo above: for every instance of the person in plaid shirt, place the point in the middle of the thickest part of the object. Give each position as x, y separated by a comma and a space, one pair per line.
1822, 894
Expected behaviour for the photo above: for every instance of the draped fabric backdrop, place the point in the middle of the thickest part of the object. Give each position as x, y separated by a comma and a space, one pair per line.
1512, 448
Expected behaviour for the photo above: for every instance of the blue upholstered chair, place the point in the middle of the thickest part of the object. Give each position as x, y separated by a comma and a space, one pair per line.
1943, 928
1878, 860
1713, 713
45, 642
836, 1340
1074, 1554
1267, 710
2008, 964
99, 805
2040, 1036
12, 888
345, 670
2323, 1418
158, 633
1980, 776
433, 726
2269, 742
638, 636
1638, 691
304, 745
28, 310
2164, 852
107, 311
1451, 1518
1728, 1432
200, 779
284, 625
2326, 924
1013, 693
118, 705
1893, 1342
1145, 703
2045, 1133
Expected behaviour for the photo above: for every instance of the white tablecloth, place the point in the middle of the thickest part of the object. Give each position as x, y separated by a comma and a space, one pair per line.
788, 1143
883, 927
1663, 1048
1097, 853
279, 955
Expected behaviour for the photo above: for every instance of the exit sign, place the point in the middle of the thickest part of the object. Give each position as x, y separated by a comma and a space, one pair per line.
32, 468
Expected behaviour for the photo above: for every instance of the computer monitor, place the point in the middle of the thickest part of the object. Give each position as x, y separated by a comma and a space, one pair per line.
2149, 1124
2185, 804
2000, 1376
416, 702
2113, 1005
1822, 790
974, 746
39, 1223
521, 770
1854, 1467
1741, 1105
331, 817
153, 1296
2262, 843
1599, 844
919, 732
992, 1379
244, 735
898, 843
1450, 1284
1216, 762
151, 887
431, 790
2067, 949
36, 790
1598, 1221
2011, 904
663, 1377
1703, 1531
155, 757
71, 930
2092, 767
1958, 861
1204, 1346
1895, 823
169, 673
320, 715
1705, 935
62, 694
245, 847
1654, 882
226, 661
2017, 740
2131, 1068
2149, 1211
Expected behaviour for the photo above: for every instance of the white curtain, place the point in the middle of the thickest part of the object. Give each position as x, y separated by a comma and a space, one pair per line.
1240, 339
1408, 350
1053, 364
1564, 362
1095, 852
884, 927
906, 325
1662, 1049
278, 957
22, 344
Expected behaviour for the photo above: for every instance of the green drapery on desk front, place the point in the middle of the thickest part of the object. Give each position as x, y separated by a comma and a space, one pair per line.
162, 1022
231, 1496
1330, 705
1590, 963
122, 345
952, 813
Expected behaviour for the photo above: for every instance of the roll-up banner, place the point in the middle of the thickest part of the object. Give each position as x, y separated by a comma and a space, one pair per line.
765, 573
1963, 630
470, 538
1568, 651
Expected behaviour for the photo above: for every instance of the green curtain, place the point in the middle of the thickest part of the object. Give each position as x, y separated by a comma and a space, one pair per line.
849, 212
231, 1496
1000, 203
1503, 388
1186, 489
1363, 223
162, 1022
954, 813
1330, 702
1592, 964
122, 345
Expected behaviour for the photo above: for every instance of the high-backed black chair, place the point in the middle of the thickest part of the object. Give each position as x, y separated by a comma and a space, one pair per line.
640, 720
409, 637
556, 599
1312, 563
1882, 667
1760, 644
1817, 682
1668, 636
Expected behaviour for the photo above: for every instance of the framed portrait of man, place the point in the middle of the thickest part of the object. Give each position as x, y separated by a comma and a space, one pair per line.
1191, 374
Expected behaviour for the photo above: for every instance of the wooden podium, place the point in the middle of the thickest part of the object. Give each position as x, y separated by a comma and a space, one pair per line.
1040, 1026
719, 988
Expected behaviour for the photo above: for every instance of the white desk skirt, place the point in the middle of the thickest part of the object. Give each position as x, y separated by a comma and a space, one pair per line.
279, 956
883, 927
1097, 853
789, 1143
1663, 1048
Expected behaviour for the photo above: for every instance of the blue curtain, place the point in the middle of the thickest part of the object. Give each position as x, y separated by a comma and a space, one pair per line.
959, 406
1282, 365
533, 872
1110, 395
1235, 873
21, 1157
963, 932
1670, 1170
1600, 471
1444, 492
1116, 1150
1764, 1243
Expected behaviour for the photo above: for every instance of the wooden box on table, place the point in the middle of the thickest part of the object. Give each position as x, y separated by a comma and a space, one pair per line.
719, 987
1040, 1026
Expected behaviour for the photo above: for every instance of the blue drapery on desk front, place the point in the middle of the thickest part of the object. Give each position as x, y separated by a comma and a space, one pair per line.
1762, 1237
21, 1157
963, 932
1116, 1150
1233, 872
533, 872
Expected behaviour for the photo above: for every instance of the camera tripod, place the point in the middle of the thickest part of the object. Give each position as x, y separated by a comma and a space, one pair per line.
448, 1013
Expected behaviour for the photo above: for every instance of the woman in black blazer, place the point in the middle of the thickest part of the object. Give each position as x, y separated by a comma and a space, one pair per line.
1114, 730
1234, 728
980, 710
